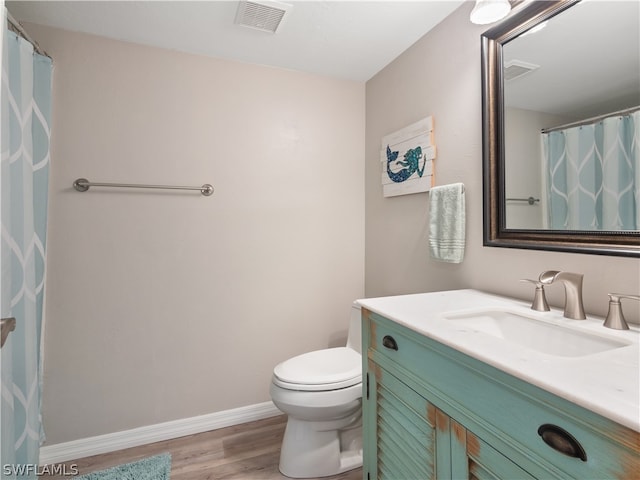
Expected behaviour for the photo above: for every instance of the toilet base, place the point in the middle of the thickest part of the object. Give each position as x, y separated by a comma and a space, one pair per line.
309, 453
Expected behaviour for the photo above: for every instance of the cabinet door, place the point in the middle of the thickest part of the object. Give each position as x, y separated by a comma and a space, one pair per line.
401, 431
473, 459
407, 438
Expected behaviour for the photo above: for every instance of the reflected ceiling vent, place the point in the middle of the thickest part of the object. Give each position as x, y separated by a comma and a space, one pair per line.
516, 68
264, 15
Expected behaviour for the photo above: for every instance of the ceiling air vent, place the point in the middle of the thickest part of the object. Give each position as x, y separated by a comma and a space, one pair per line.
516, 68
264, 15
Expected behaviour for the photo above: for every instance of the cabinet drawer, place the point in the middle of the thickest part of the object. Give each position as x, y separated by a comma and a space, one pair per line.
505, 411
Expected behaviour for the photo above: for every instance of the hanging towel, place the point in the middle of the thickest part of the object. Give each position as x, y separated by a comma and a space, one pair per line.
447, 223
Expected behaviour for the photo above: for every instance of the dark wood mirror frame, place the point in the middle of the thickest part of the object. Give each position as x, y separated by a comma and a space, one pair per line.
493, 151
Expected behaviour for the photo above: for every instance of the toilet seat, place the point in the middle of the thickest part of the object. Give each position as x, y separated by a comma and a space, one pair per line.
320, 370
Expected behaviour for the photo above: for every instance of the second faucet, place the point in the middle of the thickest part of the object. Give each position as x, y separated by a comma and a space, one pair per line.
573, 307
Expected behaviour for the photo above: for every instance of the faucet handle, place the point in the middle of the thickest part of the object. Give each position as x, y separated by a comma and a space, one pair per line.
615, 319
548, 277
539, 299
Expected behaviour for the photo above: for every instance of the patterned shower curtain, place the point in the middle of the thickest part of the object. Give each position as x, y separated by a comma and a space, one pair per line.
593, 175
24, 177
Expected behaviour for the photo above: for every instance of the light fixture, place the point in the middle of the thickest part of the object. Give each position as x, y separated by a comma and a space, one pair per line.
535, 29
489, 11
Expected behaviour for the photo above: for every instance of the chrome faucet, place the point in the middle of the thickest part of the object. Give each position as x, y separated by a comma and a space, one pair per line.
573, 307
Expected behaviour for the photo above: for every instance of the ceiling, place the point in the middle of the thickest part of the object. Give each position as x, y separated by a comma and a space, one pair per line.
351, 39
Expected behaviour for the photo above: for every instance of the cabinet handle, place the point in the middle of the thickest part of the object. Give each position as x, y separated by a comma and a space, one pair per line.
562, 441
389, 342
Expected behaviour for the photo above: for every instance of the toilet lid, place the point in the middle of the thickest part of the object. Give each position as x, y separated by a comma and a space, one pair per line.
327, 369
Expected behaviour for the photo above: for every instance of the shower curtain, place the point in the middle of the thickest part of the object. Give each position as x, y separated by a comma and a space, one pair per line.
593, 175
24, 177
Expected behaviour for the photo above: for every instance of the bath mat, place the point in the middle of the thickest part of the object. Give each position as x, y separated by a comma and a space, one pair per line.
152, 468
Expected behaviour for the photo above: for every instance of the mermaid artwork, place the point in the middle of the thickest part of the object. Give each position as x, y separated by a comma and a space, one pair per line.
411, 164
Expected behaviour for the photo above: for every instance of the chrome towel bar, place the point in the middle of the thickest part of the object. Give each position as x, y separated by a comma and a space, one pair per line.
529, 200
82, 185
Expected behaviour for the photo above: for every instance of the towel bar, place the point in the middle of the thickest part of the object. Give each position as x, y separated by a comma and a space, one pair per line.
529, 200
82, 185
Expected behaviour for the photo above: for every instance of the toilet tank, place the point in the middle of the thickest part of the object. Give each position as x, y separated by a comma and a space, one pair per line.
354, 340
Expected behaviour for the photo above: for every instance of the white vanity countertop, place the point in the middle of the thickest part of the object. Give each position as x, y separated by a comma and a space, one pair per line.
607, 383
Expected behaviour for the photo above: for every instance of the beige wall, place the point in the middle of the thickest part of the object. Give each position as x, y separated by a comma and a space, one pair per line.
440, 76
164, 306
523, 149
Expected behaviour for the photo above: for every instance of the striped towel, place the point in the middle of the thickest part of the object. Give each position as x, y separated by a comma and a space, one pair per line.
447, 223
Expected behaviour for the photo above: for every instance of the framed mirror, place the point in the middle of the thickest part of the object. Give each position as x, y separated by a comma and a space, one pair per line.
561, 128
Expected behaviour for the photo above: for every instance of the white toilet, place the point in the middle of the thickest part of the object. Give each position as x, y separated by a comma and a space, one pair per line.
321, 392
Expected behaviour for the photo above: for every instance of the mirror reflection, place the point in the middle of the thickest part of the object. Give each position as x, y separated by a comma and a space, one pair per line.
572, 121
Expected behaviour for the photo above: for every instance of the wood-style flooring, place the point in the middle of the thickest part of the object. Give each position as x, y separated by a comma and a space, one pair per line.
249, 451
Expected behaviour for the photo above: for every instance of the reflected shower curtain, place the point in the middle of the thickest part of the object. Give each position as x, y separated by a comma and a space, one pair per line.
593, 175
24, 177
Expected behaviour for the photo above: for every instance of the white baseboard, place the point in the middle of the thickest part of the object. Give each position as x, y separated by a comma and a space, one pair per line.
86, 447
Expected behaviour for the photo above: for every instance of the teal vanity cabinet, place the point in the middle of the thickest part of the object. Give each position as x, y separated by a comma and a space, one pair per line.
432, 412
409, 438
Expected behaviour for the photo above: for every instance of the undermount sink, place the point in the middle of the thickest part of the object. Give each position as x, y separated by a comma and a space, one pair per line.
532, 333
